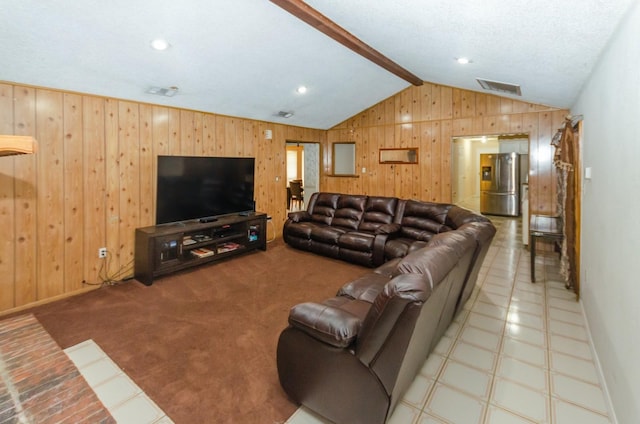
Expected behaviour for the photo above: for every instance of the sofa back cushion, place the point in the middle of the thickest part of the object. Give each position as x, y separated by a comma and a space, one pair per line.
463, 246
365, 288
460, 241
421, 220
458, 216
378, 211
349, 210
483, 233
398, 331
434, 262
323, 206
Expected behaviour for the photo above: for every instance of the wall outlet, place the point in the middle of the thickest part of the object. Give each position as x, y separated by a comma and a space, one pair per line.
102, 252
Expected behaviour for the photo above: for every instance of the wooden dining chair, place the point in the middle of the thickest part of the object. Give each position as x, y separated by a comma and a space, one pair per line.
297, 193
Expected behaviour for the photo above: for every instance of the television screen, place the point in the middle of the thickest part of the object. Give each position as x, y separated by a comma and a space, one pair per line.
194, 187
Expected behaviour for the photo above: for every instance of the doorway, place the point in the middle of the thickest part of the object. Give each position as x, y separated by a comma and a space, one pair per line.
465, 164
303, 163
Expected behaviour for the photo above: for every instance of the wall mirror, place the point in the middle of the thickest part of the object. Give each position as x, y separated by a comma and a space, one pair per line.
344, 158
403, 155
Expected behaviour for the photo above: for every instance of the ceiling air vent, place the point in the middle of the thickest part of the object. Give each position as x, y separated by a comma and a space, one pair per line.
160, 91
503, 87
284, 114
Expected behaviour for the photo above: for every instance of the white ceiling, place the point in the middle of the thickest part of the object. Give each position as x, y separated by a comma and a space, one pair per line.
246, 58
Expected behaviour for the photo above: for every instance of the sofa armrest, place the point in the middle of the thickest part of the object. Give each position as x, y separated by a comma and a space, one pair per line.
386, 322
388, 229
328, 324
382, 233
379, 242
299, 216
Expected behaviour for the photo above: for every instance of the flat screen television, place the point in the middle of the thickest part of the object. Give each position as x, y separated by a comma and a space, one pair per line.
203, 187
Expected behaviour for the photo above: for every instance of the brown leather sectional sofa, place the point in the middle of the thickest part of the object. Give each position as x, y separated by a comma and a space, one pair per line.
352, 357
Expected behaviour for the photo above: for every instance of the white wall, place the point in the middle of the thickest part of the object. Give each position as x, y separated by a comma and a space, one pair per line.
610, 251
465, 166
312, 162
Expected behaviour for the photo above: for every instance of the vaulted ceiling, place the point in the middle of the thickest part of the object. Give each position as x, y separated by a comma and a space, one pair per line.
246, 58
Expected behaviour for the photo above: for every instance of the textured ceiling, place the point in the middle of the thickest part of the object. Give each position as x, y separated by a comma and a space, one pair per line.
247, 57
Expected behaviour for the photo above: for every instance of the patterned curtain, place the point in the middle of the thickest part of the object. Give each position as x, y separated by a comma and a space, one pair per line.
565, 160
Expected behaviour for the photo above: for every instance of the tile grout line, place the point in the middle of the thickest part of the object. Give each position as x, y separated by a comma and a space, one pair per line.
547, 337
499, 352
501, 346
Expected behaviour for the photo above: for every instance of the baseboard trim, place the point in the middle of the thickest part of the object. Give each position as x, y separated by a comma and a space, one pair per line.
47, 300
596, 361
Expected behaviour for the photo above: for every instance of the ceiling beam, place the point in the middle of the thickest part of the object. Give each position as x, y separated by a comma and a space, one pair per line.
306, 13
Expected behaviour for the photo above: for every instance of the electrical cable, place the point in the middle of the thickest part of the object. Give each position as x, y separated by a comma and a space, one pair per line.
111, 279
269, 240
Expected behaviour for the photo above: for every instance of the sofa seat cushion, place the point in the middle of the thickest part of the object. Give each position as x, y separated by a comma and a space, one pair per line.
365, 288
329, 324
357, 240
327, 234
299, 216
415, 227
301, 229
423, 234
402, 246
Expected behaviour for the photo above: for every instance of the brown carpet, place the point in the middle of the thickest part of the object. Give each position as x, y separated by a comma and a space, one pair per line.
202, 343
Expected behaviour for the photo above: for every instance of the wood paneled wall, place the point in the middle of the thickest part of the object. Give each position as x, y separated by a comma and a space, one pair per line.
92, 182
428, 117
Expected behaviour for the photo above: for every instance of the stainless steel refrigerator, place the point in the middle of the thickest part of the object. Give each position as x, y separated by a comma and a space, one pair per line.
500, 184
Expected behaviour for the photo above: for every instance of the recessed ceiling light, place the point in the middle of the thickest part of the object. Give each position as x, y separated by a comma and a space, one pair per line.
463, 60
160, 44
302, 89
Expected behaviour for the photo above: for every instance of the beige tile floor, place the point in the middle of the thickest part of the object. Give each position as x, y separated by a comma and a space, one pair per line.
126, 402
518, 352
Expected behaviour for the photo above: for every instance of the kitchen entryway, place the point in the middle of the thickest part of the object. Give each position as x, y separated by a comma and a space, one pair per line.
465, 164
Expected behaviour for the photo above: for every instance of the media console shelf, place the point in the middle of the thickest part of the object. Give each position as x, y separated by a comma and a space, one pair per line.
163, 249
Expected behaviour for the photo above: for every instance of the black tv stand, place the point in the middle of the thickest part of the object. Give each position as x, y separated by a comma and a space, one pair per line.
163, 249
